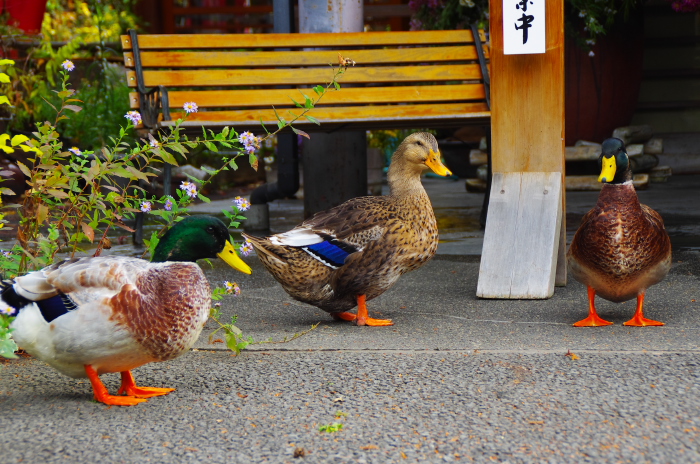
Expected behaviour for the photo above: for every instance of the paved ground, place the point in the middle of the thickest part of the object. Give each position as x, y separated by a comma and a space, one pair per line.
456, 379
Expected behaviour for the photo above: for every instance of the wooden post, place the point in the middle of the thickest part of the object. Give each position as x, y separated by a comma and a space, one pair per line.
525, 236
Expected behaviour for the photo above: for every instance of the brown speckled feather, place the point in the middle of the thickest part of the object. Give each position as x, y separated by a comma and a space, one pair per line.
162, 305
621, 247
394, 234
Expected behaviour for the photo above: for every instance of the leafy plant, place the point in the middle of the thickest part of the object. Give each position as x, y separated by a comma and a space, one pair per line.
76, 197
331, 428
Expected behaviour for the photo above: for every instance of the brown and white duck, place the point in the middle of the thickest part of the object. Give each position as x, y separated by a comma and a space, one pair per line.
91, 316
621, 248
354, 252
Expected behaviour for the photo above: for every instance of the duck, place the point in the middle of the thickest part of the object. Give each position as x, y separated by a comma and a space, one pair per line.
352, 253
621, 247
95, 315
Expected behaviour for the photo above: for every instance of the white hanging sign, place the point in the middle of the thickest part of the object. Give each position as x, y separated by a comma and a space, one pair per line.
523, 27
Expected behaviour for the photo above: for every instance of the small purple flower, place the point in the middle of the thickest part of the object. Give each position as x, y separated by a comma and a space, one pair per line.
134, 117
168, 204
189, 188
68, 65
232, 287
190, 107
250, 142
76, 151
7, 254
146, 206
241, 203
246, 248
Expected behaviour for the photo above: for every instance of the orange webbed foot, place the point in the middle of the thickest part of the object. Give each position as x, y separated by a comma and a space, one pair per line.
102, 395
593, 320
362, 316
130, 388
638, 320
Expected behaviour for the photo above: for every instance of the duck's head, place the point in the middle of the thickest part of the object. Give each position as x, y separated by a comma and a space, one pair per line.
420, 149
614, 163
198, 237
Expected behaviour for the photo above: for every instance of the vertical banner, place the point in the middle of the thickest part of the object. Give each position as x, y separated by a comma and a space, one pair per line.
523, 27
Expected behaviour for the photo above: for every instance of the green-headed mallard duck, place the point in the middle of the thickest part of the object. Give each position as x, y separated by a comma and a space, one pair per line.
90, 316
622, 247
343, 257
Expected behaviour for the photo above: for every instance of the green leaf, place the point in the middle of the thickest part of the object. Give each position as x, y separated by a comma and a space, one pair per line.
203, 198
336, 85
312, 119
320, 90
295, 102
74, 108
309, 103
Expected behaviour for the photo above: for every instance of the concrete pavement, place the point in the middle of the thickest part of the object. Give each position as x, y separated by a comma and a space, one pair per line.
457, 379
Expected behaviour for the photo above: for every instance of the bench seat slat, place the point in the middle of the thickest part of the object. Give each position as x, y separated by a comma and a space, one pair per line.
346, 114
248, 59
306, 76
234, 41
348, 95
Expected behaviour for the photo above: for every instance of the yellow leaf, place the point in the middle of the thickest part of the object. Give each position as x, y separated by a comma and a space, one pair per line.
19, 138
6, 61
88, 231
25, 170
4, 99
4, 78
42, 212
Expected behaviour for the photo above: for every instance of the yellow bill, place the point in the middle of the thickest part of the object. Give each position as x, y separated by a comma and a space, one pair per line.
434, 163
607, 173
231, 258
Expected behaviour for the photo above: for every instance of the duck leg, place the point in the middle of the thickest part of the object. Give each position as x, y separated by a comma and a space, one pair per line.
593, 320
103, 396
638, 320
362, 316
130, 389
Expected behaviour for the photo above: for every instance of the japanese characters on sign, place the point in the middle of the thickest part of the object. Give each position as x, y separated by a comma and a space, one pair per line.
523, 27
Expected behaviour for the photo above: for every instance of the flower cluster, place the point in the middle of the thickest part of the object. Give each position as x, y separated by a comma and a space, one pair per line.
189, 188
685, 6
190, 107
241, 203
246, 248
250, 142
232, 287
134, 117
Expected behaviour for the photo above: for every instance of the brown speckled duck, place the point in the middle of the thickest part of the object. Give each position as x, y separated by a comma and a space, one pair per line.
343, 257
91, 316
621, 247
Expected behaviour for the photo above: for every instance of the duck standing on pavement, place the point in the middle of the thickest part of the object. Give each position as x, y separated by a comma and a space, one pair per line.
91, 316
621, 247
354, 252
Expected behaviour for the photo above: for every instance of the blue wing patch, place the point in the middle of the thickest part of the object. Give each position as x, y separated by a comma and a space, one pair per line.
331, 252
56, 306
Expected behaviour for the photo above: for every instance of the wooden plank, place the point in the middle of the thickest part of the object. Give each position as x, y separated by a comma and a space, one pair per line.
349, 95
251, 59
498, 250
528, 99
336, 39
522, 236
344, 114
306, 76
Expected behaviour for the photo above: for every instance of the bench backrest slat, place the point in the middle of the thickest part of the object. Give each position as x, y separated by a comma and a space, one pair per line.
346, 39
417, 75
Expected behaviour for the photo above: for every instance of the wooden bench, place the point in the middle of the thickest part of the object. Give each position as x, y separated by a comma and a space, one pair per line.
401, 79
416, 79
